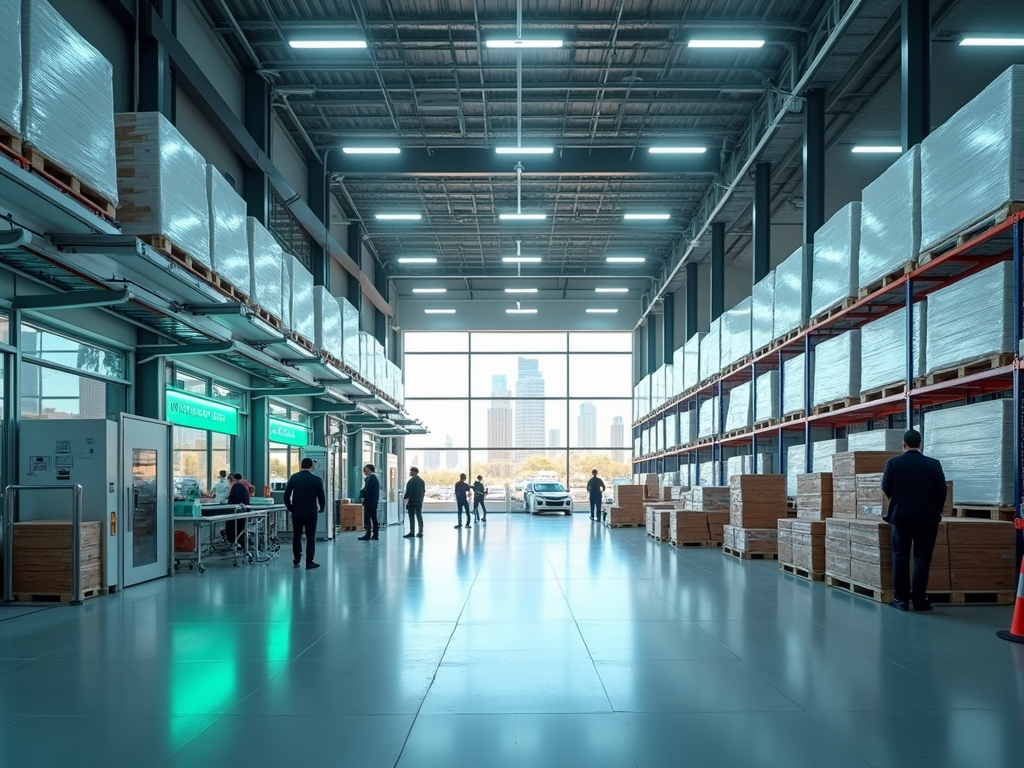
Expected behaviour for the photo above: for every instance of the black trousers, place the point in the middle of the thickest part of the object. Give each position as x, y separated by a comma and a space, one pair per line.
595, 505
415, 516
917, 536
478, 503
462, 504
304, 523
370, 522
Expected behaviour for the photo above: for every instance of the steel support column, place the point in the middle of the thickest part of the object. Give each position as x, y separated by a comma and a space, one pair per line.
814, 163
156, 85
909, 304
652, 346
762, 220
717, 270
319, 203
916, 53
150, 380
259, 446
638, 355
355, 252
380, 320
256, 116
668, 327
692, 301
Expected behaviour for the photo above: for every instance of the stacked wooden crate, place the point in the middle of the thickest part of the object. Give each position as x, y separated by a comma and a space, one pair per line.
814, 496
351, 516
802, 548
756, 502
657, 515
846, 501
627, 508
981, 555
42, 559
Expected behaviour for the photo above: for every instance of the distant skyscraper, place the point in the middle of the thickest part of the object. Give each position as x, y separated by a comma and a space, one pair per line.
586, 426
431, 460
451, 458
555, 441
529, 416
500, 422
618, 440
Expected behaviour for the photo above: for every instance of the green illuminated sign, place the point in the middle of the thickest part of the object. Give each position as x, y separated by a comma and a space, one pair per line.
288, 433
187, 410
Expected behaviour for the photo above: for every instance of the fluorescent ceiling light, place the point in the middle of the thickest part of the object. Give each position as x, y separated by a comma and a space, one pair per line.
417, 260
520, 290
429, 290
521, 259
439, 311
625, 259
522, 216
612, 290
398, 216
866, 150
1012, 41
647, 216
511, 42
371, 150
725, 43
601, 311
327, 43
520, 311
677, 150
524, 150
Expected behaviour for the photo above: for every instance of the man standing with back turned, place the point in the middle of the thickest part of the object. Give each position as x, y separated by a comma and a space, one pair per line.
916, 487
415, 490
371, 497
595, 489
305, 499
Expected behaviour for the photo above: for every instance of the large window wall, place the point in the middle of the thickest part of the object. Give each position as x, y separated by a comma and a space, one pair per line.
515, 406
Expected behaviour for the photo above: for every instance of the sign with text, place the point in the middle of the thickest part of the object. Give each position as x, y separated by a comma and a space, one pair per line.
287, 433
188, 410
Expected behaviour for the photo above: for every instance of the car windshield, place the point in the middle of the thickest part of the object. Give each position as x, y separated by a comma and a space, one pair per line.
548, 487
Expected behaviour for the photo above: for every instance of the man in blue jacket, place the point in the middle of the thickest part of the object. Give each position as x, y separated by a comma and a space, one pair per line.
305, 499
371, 497
916, 487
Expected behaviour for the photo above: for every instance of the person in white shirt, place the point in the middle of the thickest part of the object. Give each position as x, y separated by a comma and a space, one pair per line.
221, 488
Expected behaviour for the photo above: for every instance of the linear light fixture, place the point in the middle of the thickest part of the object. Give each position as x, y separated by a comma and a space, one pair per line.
398, 216
439, 311
697, 43
521, 259
524, 150
516, 42
417, 260
372, 150
429, 290
601, 311
520, 290
335, 44
625, 259
611, 290
677, 150
647, 216
993, 41
520, 311
862, 149
522, 216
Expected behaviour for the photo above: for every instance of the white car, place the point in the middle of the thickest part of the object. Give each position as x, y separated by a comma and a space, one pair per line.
539, 497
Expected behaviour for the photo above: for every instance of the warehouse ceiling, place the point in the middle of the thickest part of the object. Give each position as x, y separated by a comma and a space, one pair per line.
623, 81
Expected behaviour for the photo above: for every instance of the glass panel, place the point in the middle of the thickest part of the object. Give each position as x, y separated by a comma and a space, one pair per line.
189, 383
279, 465
436, 342
278, 410
518, 424
520, 375
437, 375
51, 394
54, 348
190, 459
447, 420
600, 342
3, 415
612, 467
221, 454
144, 517
227, 395
600, 375
519, 342
600, 423
5, 328
439, 469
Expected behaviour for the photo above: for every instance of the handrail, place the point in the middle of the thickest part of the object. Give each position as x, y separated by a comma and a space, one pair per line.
10, 492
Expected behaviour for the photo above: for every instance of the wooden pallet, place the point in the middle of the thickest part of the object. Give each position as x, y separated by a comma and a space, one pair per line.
10, 140
767, 423
266, 317
803, 573
834, 310
835, 405
750, 555
942, 597
971, 231
702, 441
626, 525
887, 279
737, 365
168, 248
302, 342
791, 417
983, 512
57, 597
787, 337
694, 544
863, 590
989, 363
735, 433
67, 179
349, 528
882, 392
229, 290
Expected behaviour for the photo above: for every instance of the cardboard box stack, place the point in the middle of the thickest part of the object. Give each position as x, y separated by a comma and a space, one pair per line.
688, 527
42, 557
802, 545
837, 548
652, 486
756, 502
657, 516
814, 496
351, 516
981, 555
627, 506
748, 540
845, 468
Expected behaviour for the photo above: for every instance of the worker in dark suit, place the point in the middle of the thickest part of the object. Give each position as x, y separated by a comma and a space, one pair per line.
916, 487
370, 496
238, 495
595, 490
305, 499
415, 490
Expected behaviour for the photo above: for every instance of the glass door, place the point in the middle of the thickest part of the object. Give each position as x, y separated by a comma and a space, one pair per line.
146, 514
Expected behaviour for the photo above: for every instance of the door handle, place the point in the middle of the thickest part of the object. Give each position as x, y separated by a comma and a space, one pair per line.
129, 516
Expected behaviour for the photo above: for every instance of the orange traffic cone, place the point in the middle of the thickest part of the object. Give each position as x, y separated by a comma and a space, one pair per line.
1016, 633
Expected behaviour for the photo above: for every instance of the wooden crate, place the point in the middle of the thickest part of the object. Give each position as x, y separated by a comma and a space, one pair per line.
42, 553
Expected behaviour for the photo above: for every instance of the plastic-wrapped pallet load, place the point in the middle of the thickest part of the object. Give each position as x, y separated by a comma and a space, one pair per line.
671, 430
709, 418
327, 319
822, 452
890, 219
735, 329
971, 318
975, 445
301, 317
691, 354
349, 334
766, 404
739, 414
162, 185
68, 100
883, 349
835, 253
789, 294
793, 377
710, 351
887, 440
10, 66
837, 368
378, 362
973, 164
795, 465
678, 363
762, 313
748, 465
366, 356
266, 264
229, 251
709, 474
688, 426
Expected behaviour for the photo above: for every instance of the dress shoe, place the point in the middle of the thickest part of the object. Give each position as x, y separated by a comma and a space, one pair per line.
419, 535
364, 538
295, 562
409, 535
311, 566
468, 525
923, 607
375, 537
483, 519
459, 525
900, 605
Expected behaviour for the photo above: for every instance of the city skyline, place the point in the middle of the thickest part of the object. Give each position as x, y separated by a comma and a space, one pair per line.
586, 425
500, 420
618, 439
529, 415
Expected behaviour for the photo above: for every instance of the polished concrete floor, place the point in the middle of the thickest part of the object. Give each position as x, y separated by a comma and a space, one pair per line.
523, 642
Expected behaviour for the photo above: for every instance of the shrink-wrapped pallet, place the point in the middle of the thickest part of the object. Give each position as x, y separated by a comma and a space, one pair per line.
365, 355
10, 66
672, 430
298, 298
835, 253
327, 321
837, 368
789, 294
970, 318
710, 351
739, 414
748, 465
974, 163
793, 378
890, 219
709, 418
709, 473
688, 426
229, 251
762, 313
162, 185
875, 440
766, 401
678, 364
975, 445
795, 466
822, 452
349, 333
266, 265
68, 99
691, 355
883, 348
736, 333
658, 436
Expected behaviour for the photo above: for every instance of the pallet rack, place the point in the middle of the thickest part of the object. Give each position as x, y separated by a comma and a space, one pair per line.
1002, 242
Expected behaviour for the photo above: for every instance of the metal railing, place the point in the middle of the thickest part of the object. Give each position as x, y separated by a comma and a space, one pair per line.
10, 493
